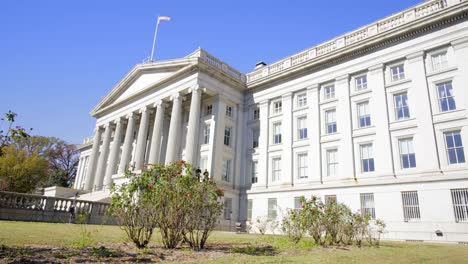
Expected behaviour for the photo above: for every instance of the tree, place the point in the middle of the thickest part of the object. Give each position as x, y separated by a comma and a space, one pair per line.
10, 134
20, 171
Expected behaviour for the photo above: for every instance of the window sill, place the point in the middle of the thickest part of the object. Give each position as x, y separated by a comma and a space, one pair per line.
364, 91
440, 71
399, 82
327, 101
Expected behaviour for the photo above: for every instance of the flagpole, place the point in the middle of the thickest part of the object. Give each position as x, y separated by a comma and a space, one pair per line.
154, 39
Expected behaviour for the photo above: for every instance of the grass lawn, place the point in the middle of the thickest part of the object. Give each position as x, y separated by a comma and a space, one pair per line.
65, 243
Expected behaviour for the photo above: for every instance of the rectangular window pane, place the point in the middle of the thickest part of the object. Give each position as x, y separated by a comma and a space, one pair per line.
397, 73
367, 158
454, 147
249, 209
439, 61
367, 204
227, 208
330, 121
407, 155
410, 206
276, 169
206, 136
277, 133
272, 208
227, 170
330, 198
302, 166
363, 114
329, 92
297, 203
227, 136
361, 83
255, 137
446, 97
302, 128
401, 106
332, 162
254, 171
301, 100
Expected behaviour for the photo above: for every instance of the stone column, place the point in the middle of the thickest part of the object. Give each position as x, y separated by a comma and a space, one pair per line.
315, 159
127, 144
264, 141
155, 149
174, 130
93, 160
142, 139
101, 166
114, 154
193, 126
78, 174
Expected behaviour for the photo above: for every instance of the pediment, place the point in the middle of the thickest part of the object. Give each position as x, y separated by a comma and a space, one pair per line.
141, 78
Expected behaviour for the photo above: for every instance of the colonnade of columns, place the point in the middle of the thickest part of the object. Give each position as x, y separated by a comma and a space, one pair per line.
104, 157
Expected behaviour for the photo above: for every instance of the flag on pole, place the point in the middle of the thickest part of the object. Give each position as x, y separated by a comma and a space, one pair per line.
164, 18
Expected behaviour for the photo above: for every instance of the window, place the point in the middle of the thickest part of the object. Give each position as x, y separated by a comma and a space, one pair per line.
330, 198
460, 204
227, 171
361, 83
397, 73
439, 61
276, 166
330, 120
302, 166
249, 209
367, 204
410, 206
272, 208
454, 146
332, 162
228, 111
206, 134
364, 114
255, 137
277, 133
407, 156
227, 136
302, 100
401, 106
227, 208
329, 92
254, 171
277, 107
203, 164
367, 158
256, 113
209, 109
297, 203
302, 127
446, 97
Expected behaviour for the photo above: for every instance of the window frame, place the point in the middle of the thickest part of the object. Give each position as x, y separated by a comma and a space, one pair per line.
229, 111
445, 98
277, 137
335, 164
301, 100
360, 86
460, 204
254, 172
226, 170
206, 134
302, 128
440, 65
369, 160
367, 204
404, 106
331, 127
209, 109
272, 212
363, 113
400, 75
227, 136
410, 156
276, 170
454, 148
302, 166
410, 206
277, 107
329, 91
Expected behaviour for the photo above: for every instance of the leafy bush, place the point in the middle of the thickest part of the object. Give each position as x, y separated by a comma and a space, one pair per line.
331, 223
175, 198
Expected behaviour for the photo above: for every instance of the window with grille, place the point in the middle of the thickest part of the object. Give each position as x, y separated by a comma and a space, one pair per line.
229, 111
302, 127
277, 133
367, 158
332, 162
329, 92
272, 208
460, 204
206, 134
276, 169
361, 83
446, 97
249, 209
364, 114
367, 204
410, 202
227, 171
209, 109
256, 114
330, 198
302, 100
454, 146
439, 61
254, 171
277, 107
407, 156
302, 166
397, 72
401, 106
330, 121
227, 136
255, 137
227, 208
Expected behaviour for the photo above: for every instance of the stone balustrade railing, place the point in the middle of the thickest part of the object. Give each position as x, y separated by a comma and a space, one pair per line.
213, 61
29, 207
397, 20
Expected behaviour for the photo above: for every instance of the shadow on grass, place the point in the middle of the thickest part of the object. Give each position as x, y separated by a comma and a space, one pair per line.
255, 250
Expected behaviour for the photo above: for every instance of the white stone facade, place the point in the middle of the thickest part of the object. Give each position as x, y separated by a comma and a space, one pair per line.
376, 118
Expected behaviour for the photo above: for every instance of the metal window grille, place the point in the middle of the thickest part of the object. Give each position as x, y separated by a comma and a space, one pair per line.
367, 204
227, 208
460, 204
330, 198
410, 202
272, 208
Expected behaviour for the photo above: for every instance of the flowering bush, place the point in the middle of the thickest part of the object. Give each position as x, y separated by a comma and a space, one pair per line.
173, 197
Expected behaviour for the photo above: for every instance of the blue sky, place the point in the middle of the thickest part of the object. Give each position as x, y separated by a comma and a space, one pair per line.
59, 58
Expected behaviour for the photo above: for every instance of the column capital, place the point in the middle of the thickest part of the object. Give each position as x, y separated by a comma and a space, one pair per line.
160, 103
195, 89
176, 96
142, 110
130, 115
117, 120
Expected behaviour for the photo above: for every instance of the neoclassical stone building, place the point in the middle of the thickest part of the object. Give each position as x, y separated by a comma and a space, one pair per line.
375, 118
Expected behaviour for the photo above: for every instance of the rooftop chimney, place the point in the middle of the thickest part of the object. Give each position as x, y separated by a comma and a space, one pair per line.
260, 64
